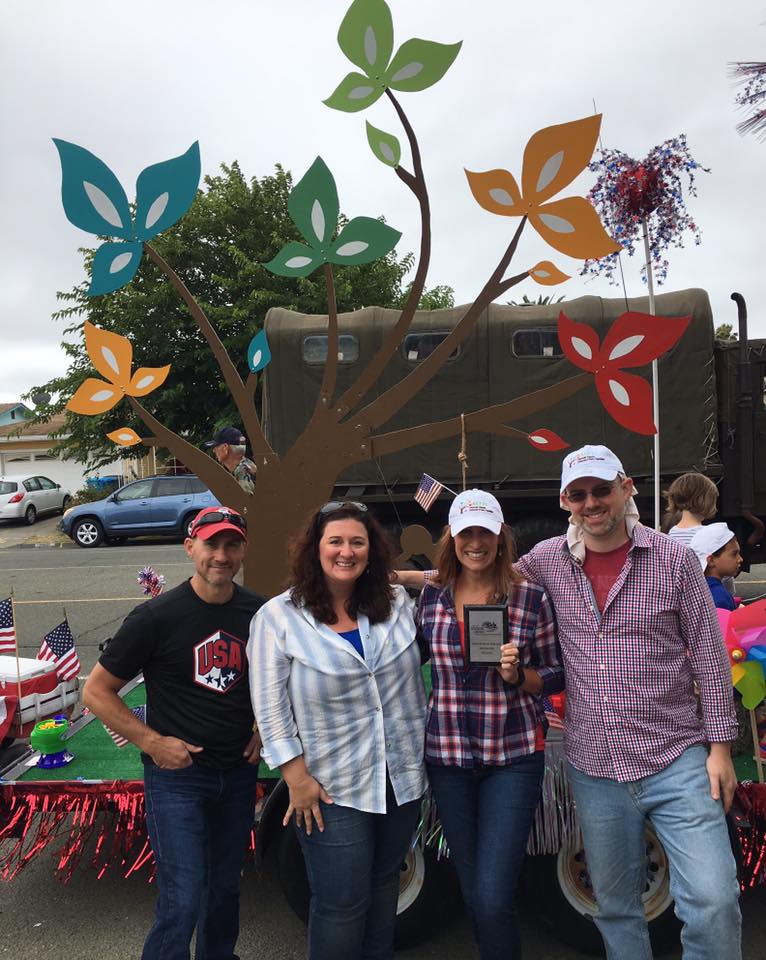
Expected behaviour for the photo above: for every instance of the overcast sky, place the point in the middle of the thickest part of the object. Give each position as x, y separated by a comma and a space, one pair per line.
138, 82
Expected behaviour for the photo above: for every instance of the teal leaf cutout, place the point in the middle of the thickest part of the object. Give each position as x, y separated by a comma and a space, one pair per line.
354, 93
295, 260
165, 191
366, 35
419, 64
258, 353
313, 204
92, 195
363, 240
114, 265
384, 145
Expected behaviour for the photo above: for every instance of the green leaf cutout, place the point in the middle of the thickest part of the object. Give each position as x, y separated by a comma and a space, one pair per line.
355, 92
384, 145
419, 64
313, 204
295, 260
366, 36
363, 240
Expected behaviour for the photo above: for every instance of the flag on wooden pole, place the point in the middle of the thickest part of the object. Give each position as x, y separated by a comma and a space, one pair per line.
121, 741
7, 627
58, 645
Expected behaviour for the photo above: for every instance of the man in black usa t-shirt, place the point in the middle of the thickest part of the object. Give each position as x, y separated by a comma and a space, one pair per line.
198, 744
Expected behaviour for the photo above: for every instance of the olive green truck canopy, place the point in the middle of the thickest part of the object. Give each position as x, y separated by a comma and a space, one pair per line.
512, 351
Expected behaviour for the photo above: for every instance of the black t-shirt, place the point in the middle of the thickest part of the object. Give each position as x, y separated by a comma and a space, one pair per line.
193, 655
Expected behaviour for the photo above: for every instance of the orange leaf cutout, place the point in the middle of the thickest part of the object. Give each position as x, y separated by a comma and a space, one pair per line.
554, 156
547, 274
572, 226
94, 396
124, 437
496, 191
146, 379
110, 354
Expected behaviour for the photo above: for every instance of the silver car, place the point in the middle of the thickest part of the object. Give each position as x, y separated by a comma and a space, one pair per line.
24, 498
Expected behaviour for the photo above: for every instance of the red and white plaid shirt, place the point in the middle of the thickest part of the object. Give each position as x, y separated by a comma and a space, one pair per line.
630, 671
474, 717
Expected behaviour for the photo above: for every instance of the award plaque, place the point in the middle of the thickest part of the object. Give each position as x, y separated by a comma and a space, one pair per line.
486, 630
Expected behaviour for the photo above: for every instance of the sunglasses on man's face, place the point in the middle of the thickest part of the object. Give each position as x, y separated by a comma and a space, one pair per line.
218, 516
334, 505
601, 492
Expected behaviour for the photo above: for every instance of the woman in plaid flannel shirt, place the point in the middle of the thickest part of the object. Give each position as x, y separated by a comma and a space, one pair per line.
485, 727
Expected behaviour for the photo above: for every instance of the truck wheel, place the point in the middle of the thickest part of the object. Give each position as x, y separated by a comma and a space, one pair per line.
429, 896
557, 889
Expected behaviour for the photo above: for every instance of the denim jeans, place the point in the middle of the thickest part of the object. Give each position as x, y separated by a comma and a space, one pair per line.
692, 828
199, 821
353, 870
486, 813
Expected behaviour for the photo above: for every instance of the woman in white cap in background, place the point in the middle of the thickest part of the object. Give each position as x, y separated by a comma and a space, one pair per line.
485, 729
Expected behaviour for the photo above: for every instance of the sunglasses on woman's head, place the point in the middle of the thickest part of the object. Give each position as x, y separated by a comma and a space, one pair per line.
601, 492
219, 517
334, 505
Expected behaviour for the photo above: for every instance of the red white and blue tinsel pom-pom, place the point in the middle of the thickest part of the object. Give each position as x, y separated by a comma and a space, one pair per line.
628, 191
151, 582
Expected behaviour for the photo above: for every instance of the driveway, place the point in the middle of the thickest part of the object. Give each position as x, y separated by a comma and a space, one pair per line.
15, 533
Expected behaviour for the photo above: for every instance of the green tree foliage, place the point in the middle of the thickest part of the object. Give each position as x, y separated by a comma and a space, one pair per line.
725, 331
218, 249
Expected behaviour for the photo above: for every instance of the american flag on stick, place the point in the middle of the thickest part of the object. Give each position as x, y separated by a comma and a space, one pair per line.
7, 628
58, 646
428, 491
552, 714
121, 741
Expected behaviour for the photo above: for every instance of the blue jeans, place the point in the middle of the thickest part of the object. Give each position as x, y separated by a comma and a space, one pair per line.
353, 870
199, 821
486, 814
692, 828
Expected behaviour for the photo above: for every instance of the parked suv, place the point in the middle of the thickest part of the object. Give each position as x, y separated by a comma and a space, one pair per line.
24, 498
162, 506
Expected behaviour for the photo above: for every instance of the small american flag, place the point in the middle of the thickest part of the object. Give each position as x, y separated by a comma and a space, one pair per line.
7, 629
427, 492
121, 741
58, 645
551, 713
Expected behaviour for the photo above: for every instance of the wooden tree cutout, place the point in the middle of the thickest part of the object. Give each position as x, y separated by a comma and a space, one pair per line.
346, 429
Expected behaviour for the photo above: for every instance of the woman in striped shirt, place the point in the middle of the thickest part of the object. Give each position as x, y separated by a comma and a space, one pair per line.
338, 696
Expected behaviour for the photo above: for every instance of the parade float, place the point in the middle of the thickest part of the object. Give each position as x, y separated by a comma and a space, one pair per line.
91, 809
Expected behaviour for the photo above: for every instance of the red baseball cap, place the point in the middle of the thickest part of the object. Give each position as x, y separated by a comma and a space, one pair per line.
213, 520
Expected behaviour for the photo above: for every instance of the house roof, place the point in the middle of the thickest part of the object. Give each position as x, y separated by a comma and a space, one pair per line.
5, 407
24, 429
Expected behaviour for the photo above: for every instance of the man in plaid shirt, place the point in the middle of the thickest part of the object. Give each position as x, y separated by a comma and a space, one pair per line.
637, 629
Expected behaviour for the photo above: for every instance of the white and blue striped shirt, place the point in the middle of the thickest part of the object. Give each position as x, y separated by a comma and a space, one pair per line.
350, 716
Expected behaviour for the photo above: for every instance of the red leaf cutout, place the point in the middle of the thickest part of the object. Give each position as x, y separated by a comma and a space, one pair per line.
627, 399
547, 440
579, 342
635, 339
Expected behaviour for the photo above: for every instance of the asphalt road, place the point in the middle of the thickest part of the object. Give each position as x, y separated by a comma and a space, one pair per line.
106, 919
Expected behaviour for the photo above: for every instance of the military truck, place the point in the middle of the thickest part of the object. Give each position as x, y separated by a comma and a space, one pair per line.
713, 414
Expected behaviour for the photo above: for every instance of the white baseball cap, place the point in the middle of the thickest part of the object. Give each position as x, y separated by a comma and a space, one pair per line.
475, 508
708, 539
590, 461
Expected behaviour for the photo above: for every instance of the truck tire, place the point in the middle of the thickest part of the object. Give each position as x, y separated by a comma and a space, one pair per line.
556, 888
429, 896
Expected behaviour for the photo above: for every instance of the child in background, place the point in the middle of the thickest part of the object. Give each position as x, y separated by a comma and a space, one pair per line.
692, 498
718, 552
